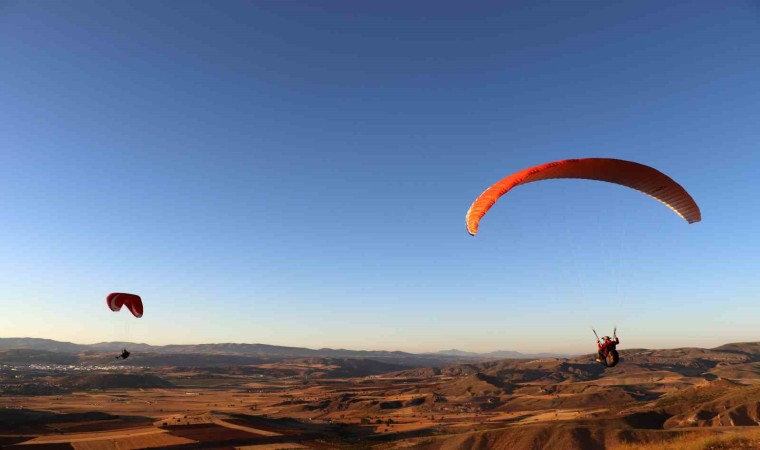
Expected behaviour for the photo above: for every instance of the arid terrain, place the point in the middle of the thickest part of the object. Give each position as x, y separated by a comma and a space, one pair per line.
679, 398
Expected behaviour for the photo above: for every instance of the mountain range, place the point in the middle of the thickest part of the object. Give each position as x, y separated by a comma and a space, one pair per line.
238, 353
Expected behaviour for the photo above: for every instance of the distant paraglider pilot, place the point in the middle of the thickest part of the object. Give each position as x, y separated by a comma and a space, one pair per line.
124, 354
607, 347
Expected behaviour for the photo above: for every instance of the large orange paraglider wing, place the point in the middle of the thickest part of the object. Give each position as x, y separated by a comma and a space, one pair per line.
637, 176
133, 303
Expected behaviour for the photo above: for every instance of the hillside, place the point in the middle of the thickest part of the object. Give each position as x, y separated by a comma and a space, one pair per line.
652, 399
114, 381
241, 353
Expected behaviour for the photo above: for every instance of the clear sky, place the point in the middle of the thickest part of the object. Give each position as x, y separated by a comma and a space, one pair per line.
297, 173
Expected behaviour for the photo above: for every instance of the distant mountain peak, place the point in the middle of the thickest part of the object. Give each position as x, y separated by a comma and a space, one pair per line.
455, 352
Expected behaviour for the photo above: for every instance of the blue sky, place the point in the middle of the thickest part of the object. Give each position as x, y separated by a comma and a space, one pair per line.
297, 173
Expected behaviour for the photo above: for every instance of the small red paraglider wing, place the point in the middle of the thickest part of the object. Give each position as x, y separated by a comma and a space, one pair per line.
636, 176
133, 303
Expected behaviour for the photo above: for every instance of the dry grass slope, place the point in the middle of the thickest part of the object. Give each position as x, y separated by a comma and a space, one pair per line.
741, 439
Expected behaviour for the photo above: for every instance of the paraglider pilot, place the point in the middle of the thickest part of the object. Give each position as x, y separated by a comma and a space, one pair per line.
606, 347
124, 354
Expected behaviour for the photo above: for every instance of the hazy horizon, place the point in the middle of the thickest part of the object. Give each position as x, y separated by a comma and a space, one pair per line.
296, 173
379, 348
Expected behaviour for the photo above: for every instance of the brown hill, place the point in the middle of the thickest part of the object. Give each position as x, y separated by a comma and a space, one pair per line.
751, 349
13, 419
474, 385
684, 361
115, 381
585, 435
418, 373
33, 356
347, 367
749, 372
592, 397
713, 403
551, 370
